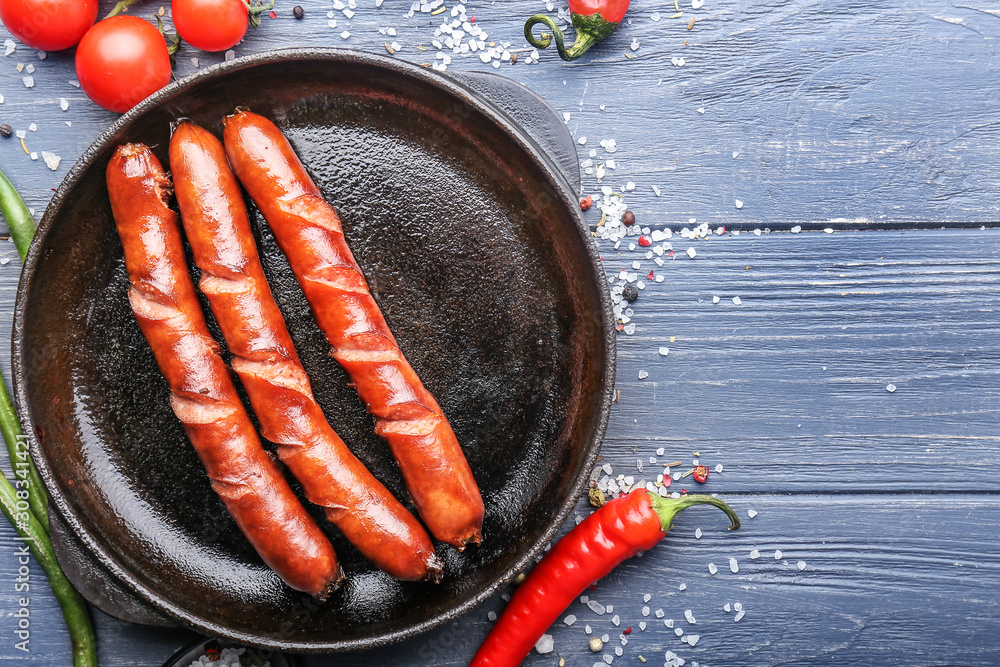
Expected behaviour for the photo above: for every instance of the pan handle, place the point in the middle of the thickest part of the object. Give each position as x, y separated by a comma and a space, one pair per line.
95, 583
531, 113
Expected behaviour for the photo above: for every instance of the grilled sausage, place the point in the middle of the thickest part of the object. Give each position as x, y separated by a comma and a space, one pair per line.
309, 232
202, 394
215, 222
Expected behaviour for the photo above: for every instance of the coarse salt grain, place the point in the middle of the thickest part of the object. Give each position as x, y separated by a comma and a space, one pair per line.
718, 468
712, 569
545, 644
596, 607
491, 616
642, 626
51, 160
691, 252
727, 608
692, 639
643, 375
737, 300
669, 622
754, 553
751, 513
796, 229
734, 566
697, 533
715, 299
801, 565
682, 587
739, 616
664, 351
29, 81
645, 611
777, 554
890, 387
616, 620
570, 620
689, 616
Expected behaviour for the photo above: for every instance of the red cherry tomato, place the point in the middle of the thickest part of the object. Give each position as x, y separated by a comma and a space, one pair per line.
210, 25
122, 61
48, 25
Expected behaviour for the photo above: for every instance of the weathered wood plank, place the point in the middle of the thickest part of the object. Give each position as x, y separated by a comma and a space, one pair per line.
900, 580
788, 389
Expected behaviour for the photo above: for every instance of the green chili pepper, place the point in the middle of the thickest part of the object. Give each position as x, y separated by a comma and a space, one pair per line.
17, 216
20, 461
74, 609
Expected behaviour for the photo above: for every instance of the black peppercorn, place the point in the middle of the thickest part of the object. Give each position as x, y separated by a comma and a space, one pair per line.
630, 293
628, 218
6, 130
298, 12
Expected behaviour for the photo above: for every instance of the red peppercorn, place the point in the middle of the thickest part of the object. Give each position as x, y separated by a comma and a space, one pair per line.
645, 241
586, 202
627, 631
650, 276
628, 218
701, 474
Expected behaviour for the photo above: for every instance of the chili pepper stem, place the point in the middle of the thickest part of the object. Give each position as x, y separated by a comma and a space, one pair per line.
584, 40
667, 508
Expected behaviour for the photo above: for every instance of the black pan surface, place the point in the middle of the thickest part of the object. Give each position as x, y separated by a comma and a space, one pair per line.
474, 248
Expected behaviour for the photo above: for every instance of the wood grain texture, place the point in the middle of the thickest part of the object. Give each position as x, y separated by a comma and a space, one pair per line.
868, 114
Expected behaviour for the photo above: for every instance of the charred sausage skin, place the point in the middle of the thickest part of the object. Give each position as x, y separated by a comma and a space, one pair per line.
308, 229
216, 225
202, 393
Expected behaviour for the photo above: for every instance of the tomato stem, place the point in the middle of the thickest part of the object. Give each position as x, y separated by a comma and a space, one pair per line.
121, 7
256, 10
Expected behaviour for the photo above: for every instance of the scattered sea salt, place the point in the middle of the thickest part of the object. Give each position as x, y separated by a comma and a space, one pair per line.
63, 104
697, 533
616, 621
718, 468
739, 616
491, 616
8, 47
642, 625
689, 616
691, 252
596, 607
734, 566
664, 351
669, 622
345, 34
890, 387
737, 300
801, 565
796, 229
643, 375
712, 569
692, 639
727, 608
682, 587
739, 204
5, 261
754, 553
29, 81
570, 620
777, 554
645, 611
751, 513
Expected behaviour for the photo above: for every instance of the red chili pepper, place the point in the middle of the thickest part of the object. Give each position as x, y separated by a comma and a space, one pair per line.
586, 202
593, 19
700, 474
618, 530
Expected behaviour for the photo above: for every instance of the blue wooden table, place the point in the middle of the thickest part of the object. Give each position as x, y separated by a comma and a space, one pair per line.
837, 356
